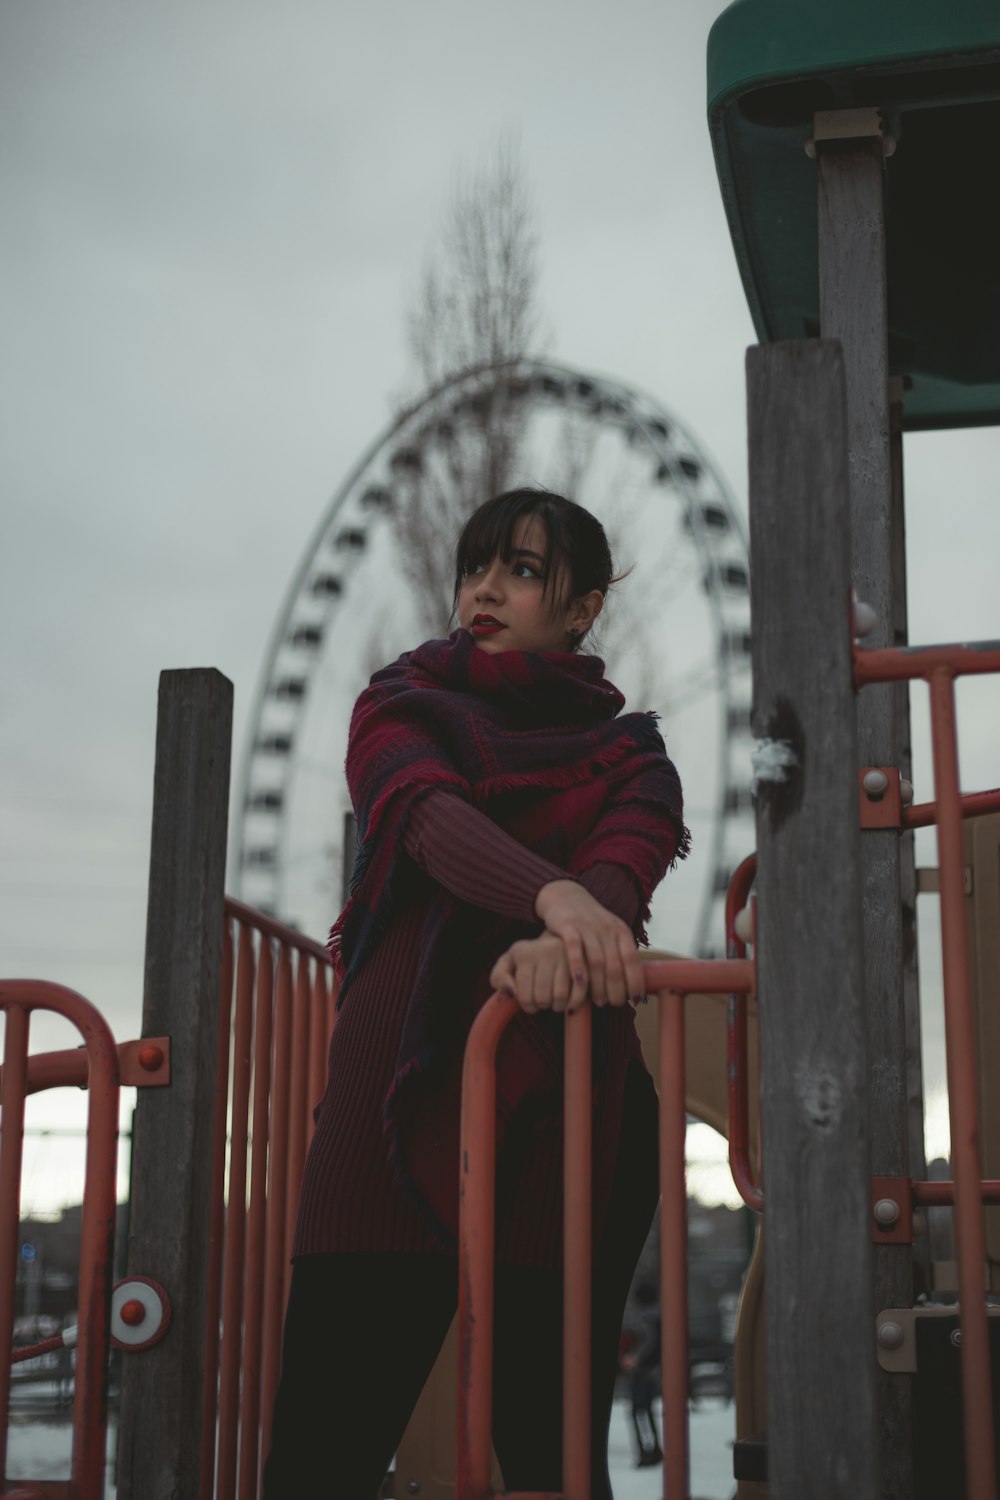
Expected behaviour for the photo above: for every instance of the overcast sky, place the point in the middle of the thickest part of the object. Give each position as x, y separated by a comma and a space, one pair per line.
214, 216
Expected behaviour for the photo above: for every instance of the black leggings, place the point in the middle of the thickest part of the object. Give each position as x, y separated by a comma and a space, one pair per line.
362, 1332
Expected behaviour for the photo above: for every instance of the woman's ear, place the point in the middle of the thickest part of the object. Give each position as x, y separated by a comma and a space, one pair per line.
585, 611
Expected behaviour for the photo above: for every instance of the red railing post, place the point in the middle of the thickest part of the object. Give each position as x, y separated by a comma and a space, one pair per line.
673, 1246
970, 1238
18, 998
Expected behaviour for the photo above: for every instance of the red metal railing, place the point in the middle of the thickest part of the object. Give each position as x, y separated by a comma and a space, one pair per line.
670, 980
939, 666
275, 1021
99, 1063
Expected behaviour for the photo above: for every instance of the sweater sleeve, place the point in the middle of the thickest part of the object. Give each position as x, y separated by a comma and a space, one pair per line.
467, 853
616, 889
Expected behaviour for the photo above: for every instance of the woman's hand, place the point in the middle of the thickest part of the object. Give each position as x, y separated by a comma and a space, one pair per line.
599, 947
535, 971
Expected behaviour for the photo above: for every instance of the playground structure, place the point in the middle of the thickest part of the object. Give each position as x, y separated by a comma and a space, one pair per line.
845, 1336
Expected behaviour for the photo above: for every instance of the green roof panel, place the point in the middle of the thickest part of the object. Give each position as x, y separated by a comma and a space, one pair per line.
934, 72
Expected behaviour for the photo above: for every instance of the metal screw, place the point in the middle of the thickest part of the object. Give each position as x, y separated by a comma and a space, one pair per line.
890, 1336
875, 783
413, 1487
886, 1212
956, 1337
905, 791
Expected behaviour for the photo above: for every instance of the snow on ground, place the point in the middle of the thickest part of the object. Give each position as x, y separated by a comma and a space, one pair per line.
40, 1450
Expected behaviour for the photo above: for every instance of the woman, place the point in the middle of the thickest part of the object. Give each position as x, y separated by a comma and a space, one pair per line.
511, 830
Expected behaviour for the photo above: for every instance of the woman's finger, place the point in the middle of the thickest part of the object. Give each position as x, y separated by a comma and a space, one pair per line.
577, 964
561, 986
502, 973
635, 976
615, 974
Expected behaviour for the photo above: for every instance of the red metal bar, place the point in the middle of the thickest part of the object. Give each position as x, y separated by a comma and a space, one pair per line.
476, 1211
943, 1193
276, 1252
18, 998
236, 1215
973, 805
15, 1071
253, 1318
289, 936
737, 1056
577, 1254
317, 1048
673, 1246
977, 1399
903, 663
217, 1220
297, 1118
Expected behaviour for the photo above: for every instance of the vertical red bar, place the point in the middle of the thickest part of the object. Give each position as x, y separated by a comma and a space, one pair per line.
977, 1396
253, 1318
276, 1251
317, 1047
15, 1071
206, 1485
236, 1211
476, 1217
577, 1241
97, 1232
297, 1109
673, 1246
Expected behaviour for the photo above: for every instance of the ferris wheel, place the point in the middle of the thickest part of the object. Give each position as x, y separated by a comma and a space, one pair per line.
675, 633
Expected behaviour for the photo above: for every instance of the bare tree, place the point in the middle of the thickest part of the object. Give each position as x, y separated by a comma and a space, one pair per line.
476, 308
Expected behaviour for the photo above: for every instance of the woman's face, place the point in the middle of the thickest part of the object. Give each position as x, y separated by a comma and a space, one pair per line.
504, 604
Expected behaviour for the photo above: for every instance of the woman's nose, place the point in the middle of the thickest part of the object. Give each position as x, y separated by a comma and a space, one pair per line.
488, 585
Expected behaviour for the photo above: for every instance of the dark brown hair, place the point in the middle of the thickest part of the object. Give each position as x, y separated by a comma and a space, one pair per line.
577, 546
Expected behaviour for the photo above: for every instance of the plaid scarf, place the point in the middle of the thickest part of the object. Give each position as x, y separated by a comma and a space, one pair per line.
538, 743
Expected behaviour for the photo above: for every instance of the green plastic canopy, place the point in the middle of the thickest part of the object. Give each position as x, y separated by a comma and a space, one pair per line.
933, 70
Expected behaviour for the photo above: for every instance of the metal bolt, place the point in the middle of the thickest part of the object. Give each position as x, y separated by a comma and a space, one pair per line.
150, 1058
905, 791
133, 1312
886, 1212
956, 1337
890, 1336
743, 925
875, 783
865, 619
413, 1487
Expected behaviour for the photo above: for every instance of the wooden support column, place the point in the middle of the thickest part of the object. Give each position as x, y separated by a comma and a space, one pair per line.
853, 308
821, 1420
162, 1387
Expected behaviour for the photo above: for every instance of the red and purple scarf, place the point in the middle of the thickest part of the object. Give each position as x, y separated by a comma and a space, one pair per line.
538, 743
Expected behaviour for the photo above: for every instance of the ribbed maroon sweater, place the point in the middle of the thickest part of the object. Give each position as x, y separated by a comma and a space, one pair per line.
350, 1200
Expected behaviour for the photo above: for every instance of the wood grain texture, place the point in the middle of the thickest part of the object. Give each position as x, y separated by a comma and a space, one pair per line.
853, 309
821, 1395
162, 1387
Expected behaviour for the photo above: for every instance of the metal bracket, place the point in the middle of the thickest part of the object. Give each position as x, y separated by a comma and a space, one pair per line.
892, 1211
881, 803
840, 127
896, 1334
145, 1063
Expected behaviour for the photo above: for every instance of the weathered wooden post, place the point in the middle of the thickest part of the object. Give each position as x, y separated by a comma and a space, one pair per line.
822, 1422
850, 161
162, 1387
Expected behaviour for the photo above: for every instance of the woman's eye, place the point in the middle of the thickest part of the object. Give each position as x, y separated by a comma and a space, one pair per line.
526, 570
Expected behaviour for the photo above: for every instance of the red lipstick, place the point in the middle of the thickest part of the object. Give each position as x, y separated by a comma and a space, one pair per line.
486, 625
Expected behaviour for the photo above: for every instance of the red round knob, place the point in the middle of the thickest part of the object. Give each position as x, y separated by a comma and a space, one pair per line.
132, 1312
150, 1058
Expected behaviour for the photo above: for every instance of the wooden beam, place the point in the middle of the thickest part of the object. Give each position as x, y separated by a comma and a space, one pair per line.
821, 1424
162, 1387
853, 309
